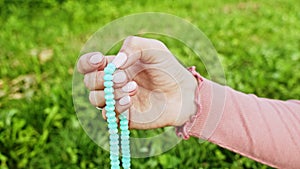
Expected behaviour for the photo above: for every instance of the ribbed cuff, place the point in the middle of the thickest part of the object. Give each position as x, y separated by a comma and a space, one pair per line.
184, 130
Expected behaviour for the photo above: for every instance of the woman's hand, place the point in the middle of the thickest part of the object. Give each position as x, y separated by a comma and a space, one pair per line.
156, 89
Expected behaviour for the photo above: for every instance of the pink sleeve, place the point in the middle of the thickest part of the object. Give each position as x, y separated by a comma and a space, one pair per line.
265, 130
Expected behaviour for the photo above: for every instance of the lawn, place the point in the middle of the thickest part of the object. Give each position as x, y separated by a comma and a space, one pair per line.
258, 43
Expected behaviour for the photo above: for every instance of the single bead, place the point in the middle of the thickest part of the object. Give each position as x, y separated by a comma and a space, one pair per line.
125, 159
110, 108
111, 120
108, 84
113, 131
111, 112
125, 142
115, 160
114, 136
111, 66
123, 127
110, 103
126, 154
110, 115
115, 163
112, 125
108, 77
115, 167
126, 150
109, 97
124, 133
114, 142
122, 122
126, 166
124, 137
108, 90
108, 70
125, 147
113, 157
122, 117
114, 152
114, 149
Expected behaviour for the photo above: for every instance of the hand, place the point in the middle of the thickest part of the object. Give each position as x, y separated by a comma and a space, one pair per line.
156, 89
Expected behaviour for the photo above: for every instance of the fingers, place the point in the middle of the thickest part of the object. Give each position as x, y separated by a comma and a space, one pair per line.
122, 96
129, 89
97, 99
132, 51
122, 105
94, 80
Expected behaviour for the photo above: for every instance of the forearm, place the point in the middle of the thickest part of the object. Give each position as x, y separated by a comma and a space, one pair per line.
263, 129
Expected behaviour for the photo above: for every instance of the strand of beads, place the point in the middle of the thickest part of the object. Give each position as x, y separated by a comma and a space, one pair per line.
111, 116
112, 123
125, 145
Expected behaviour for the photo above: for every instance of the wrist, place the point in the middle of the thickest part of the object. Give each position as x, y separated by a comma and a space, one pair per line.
191, 103
189, 107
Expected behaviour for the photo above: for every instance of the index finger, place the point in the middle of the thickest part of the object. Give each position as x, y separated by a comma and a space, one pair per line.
90, 62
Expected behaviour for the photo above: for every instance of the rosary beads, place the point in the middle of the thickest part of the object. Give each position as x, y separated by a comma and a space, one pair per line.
112, 123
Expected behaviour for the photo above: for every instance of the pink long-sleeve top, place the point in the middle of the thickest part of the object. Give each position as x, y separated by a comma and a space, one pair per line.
263, 129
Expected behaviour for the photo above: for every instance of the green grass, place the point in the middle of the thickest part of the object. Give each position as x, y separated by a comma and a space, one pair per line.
258, 43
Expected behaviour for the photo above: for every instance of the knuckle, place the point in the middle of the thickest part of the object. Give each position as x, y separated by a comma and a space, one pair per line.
130, 39
159, 43
79, 67
135, 41
92, 98
86, 81
119, 93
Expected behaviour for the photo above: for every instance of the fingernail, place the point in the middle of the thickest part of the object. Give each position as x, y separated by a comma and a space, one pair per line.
120, 59
119, 77
96, 58
129, 87
124, 100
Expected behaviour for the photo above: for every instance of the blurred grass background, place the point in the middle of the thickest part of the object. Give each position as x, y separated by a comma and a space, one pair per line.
258, 43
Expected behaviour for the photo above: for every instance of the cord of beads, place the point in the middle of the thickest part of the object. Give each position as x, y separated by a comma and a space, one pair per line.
112, 124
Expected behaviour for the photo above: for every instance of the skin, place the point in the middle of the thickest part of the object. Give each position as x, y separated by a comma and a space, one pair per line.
164, 95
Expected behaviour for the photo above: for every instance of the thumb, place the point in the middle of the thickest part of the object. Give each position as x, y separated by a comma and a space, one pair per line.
136, 48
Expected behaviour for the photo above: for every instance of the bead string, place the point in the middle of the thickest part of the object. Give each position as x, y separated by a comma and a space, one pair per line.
112, 123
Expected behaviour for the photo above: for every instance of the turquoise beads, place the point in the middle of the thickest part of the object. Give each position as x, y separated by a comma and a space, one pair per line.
112, 123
